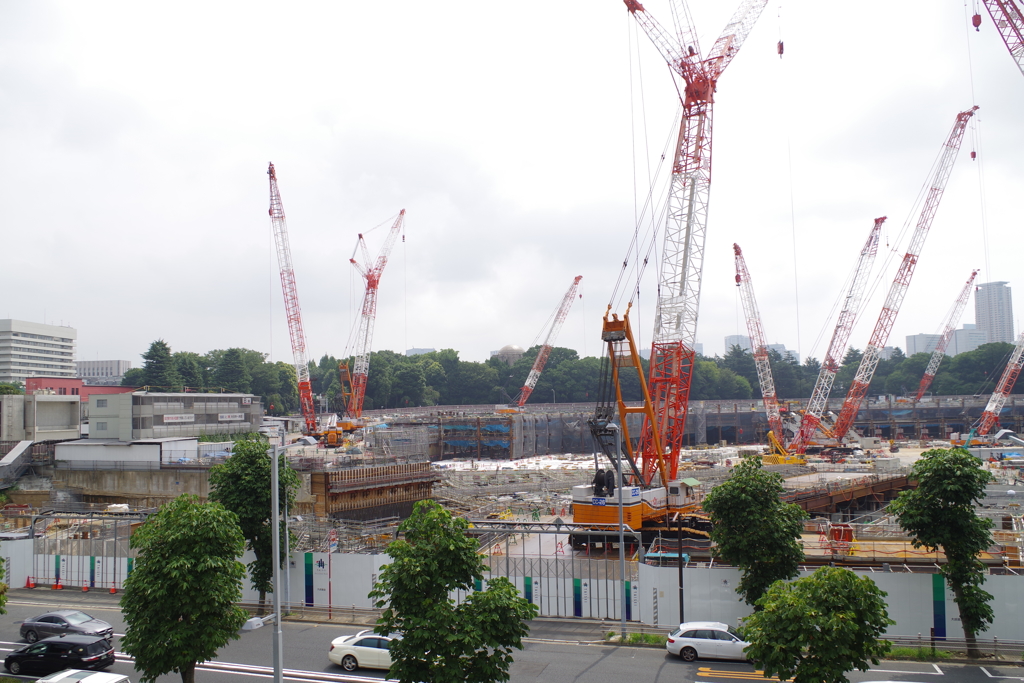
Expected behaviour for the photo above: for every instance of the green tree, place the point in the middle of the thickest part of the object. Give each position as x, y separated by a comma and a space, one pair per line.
242, 485
134, 377
819, 627
232, 372
179, 600
941, 512
754, 530
189, 367
11, 388
443, 642
158, 371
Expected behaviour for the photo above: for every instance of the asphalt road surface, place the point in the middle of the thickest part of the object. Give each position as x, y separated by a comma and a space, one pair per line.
542, 661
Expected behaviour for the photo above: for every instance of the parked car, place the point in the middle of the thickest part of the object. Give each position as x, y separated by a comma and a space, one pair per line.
365, 649
79, 676
64, 621
61, 652
707, 639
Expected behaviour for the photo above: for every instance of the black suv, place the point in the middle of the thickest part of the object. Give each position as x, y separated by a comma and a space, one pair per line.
61, 652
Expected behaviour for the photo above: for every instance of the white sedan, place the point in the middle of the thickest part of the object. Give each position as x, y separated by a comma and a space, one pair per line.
706, 639
365, 649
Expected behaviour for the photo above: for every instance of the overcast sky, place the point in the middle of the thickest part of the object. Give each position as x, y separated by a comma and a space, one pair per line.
135, 137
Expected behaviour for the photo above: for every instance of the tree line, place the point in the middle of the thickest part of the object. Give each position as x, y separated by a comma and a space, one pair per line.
234, 370
442, 378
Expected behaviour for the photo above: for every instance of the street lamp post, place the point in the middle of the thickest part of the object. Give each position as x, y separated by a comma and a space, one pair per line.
622, 535
275, 544
553, 396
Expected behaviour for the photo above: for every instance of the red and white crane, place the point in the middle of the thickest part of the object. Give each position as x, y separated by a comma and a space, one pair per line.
758, 344
545, 350
818, 402
361, 347
1009, 21
291, 304
947, 334
990, 417
682, 263
898, 289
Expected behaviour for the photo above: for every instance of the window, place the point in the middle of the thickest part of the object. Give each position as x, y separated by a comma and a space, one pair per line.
101, 426
101, 403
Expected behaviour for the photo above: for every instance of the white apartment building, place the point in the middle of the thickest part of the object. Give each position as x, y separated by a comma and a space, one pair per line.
33, 349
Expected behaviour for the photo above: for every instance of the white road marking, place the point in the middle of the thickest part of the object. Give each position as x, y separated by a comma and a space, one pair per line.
1012, 678
938, 671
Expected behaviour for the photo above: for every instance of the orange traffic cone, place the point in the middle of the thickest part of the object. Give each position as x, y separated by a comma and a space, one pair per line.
85, 588
29, 583
112, 589
58, 586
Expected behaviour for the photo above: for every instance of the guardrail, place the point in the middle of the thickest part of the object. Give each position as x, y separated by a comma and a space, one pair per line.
996, 647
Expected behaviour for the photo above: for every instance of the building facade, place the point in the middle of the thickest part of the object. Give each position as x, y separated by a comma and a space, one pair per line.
103, 371
739, 340
146, 415
966, 339
33, 349
993, 311
922, 343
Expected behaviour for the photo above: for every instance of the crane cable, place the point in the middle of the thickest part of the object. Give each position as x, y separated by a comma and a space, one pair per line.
975, 128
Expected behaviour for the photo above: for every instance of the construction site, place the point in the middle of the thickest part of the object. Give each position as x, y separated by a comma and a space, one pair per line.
547, 487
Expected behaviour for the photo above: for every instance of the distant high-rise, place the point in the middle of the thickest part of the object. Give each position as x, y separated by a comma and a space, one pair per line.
30, 349
993, 311
922, 343
740, 340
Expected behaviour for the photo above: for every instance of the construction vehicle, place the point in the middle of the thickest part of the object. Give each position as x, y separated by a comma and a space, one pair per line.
545, 350
759, 345
811, 420
778, 455
291, 305
901, 282
947, 334
656, 495
364, 335
990, 416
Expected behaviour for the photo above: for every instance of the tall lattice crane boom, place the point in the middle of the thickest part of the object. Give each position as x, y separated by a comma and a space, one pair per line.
1009, 21
758, 343
947, 334
291, 303
818, 402
545, 350
990, 417
682, 264
364, 335
898, 289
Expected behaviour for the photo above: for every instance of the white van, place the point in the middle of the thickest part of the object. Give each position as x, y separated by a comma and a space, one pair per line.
82, 676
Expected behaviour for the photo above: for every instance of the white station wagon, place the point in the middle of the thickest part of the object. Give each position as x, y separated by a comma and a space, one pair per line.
707, 640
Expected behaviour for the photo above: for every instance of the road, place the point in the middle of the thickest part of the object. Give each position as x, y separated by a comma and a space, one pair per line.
542, 661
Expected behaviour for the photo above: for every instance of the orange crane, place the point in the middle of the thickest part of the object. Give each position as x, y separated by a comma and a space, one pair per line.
940, 349
759, 345
545, 350
898, 289
818, 403
368, 314
682, 264
990, 416
291, 304
1009, 21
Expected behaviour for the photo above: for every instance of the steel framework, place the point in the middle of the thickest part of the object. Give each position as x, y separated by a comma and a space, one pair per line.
811, 419
947, 334
291, 304
898, 289
1009, 21
990, 417
545, 350
682, 261
758, 343
364, 335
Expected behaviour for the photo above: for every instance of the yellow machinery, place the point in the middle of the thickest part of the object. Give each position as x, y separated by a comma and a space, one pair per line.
778, 455
645, 507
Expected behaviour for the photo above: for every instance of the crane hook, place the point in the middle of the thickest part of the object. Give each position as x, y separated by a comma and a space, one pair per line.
976, 22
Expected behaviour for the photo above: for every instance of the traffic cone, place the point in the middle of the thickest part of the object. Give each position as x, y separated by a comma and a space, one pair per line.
85, 588
112, 589
29, 583
58, 586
